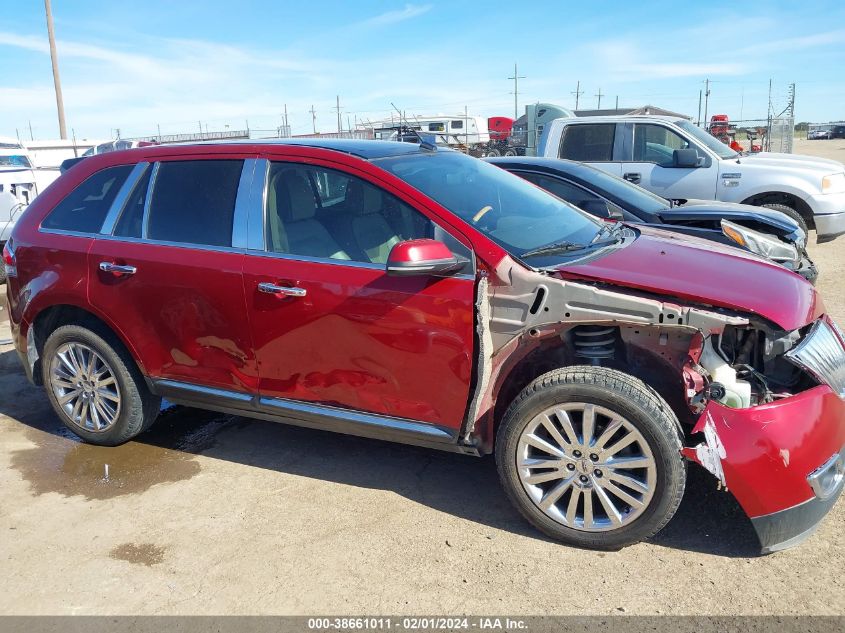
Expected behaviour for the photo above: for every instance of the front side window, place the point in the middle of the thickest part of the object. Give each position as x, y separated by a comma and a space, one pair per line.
327, 214
708, 140
84, 209
193, 202
436, 127
457, 125
656, 144
588, 142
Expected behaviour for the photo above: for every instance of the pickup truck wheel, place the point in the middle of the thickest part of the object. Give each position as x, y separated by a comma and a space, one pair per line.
95, 386
792, 213
591, 457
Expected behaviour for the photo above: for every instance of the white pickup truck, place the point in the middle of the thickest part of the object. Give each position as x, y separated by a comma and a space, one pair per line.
677, 160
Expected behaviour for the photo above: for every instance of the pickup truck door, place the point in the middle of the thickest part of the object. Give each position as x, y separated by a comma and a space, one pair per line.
597, 144
650, 165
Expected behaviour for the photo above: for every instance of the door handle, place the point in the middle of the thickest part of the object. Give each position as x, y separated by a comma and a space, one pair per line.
633, 177
287, 291
119, 269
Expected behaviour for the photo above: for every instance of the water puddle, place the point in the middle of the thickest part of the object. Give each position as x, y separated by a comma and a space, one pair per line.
61, 463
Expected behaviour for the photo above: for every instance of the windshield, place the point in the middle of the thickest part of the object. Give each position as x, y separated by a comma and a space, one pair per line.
515, 214
714, 144
628, 193
15, 160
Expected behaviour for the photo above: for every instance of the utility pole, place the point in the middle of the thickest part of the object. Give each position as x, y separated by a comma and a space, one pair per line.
60, 104
339, 123
287, 126
599, 95
698, 120
706, 98
516, 77
31, 136
578, 92
617, 102
158, 127
313, 118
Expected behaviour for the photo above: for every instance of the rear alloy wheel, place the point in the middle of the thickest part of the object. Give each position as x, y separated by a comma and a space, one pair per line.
95, 387
591, 457
85, 387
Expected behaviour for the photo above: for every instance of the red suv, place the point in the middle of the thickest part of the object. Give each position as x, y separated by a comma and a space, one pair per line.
419, 295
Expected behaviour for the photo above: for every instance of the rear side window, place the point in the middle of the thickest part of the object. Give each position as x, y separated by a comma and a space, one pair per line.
588, 143
193, 202
85, 208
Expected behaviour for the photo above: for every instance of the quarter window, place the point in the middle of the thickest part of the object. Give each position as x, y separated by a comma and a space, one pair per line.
656, 144
323, 213
193, 202
84, 209
588, 142
457, 125
436, 127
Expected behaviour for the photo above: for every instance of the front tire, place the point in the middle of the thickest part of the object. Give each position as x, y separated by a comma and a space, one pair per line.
591, 457
95, 387
792, 213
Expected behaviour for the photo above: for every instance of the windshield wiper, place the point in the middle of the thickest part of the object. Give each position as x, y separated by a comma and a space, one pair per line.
554, 247
612, 230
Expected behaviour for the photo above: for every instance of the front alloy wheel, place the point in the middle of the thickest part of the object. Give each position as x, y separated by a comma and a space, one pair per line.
586, 467
591, 457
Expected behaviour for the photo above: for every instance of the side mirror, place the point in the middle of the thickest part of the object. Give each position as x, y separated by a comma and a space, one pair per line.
422, 257
685, 158
600, 209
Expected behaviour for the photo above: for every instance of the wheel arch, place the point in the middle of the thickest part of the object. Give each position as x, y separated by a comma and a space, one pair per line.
791, 200
653, 353
52, 317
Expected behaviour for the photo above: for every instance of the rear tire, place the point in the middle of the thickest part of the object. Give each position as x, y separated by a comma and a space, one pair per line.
543, 469
95, 387
792, 213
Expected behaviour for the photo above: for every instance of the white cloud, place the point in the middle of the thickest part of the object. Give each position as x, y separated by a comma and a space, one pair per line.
409, 12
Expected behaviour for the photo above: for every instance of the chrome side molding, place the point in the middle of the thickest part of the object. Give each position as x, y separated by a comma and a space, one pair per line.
327, 418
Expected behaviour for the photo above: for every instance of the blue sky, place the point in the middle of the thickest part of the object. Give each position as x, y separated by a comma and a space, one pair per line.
139, 65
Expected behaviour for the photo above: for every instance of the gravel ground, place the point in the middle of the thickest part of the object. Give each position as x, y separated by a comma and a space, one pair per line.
212, 514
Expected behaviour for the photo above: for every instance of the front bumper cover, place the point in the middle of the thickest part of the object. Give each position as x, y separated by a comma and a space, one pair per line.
829, 226
780, 460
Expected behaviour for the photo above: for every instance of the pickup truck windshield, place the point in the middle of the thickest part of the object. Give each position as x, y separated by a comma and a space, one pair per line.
711, 142
515, 214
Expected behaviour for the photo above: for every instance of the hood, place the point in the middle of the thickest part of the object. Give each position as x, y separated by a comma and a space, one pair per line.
701, 271
710, 209
773, 159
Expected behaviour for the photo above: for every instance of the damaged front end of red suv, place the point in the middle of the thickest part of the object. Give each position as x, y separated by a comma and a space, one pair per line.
754, 371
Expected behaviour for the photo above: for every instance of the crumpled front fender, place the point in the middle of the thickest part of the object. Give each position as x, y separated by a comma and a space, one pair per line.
779, 460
